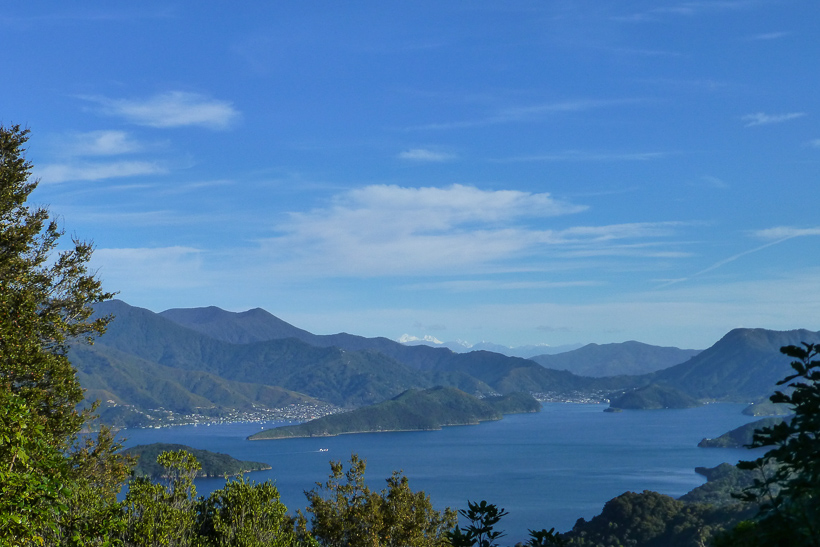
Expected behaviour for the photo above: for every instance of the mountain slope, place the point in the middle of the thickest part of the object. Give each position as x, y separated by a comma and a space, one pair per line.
631, 358
745, 365
338, 376
321, 366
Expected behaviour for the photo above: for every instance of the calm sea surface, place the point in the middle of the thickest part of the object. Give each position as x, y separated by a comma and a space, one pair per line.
547, 469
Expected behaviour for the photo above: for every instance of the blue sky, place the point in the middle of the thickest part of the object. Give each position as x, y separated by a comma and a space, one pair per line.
527, 172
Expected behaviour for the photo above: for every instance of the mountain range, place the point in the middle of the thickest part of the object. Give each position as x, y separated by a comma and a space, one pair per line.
207, 359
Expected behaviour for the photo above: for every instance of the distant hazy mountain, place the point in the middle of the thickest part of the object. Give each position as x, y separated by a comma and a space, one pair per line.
743, 366
493, 371
526, 352
630, 358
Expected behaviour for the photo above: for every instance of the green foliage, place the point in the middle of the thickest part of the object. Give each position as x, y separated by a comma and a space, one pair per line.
45, 298
244, 514
45, 304
788, 487
33, 475
344, 512
168, 513
163, 514
545, 538
651, 519
483, 517
721, 483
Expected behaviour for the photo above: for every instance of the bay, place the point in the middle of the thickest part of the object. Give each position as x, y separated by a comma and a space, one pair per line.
547, 469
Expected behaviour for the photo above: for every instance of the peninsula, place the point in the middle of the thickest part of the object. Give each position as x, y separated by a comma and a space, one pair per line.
413, 410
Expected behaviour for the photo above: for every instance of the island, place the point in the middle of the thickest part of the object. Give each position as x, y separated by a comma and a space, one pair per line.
413, 410
214, 464
651, 397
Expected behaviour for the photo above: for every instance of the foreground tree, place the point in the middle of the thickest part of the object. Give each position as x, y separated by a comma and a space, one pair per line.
788, 487
45, 304
346, 513
245, 514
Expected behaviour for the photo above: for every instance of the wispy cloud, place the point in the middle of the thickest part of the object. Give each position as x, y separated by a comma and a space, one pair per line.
587, 156
814, 143
172, 109
770, 36
391, 230
688, 9
518, 114
714, 182
781, 233
774, 236
761, 118
56, 173
426, 155
100, 143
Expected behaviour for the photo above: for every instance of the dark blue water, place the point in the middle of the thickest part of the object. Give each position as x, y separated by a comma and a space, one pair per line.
547, 469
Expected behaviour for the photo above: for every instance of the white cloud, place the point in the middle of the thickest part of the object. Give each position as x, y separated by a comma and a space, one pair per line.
425, 155
761, 118
688, 9
62, 172
172, 109
786, 232
390, 230
100, 143
770, 36
814, 143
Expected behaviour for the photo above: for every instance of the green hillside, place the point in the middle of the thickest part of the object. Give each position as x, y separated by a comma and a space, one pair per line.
743, 366
109, 374
412, 410
214, 464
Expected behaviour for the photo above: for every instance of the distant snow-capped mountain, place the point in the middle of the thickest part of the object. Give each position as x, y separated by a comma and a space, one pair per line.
460, 346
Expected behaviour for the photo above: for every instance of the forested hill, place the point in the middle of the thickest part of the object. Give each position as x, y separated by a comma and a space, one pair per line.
743, 366
632, 358
413, 410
